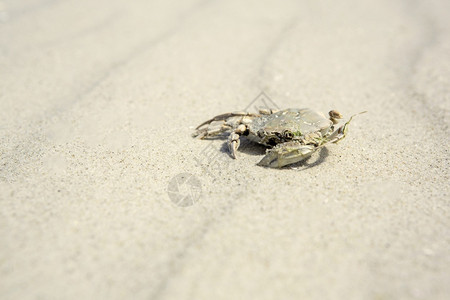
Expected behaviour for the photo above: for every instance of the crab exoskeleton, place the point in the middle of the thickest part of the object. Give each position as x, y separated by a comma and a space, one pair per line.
292, 134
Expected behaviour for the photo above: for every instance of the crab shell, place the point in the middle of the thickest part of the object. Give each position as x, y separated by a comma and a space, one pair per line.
287, 125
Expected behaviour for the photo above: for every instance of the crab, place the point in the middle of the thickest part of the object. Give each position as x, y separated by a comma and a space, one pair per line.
292, 135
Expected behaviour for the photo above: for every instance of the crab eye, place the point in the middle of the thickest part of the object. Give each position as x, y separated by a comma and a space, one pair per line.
288, 134
261, 133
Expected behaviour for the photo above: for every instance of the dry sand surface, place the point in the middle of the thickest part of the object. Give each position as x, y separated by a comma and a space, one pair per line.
98, 103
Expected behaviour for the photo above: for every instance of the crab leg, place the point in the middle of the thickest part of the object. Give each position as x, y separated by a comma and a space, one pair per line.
223, 123
340, 133
234, 139
213, 129
268, 111
226, 116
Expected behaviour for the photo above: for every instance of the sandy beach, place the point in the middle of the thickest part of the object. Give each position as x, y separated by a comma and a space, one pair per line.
104, 194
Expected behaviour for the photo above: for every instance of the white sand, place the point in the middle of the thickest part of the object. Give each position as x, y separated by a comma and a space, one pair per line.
98, 101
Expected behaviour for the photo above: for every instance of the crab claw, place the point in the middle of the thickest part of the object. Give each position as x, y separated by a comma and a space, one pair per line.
286, 154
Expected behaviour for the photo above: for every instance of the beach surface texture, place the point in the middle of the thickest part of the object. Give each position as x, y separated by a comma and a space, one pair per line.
104, 194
